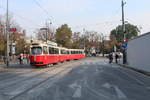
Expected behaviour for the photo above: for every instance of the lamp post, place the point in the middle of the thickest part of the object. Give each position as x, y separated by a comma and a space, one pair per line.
7, 34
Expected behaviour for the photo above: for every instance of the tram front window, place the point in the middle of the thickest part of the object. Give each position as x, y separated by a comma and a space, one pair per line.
36, 50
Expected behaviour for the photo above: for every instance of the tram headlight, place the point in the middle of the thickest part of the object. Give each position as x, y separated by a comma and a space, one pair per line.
34, 58
45, 57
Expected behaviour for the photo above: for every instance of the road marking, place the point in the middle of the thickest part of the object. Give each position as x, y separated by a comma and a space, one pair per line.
75, 86
77, 93
104, 63
96, 92
120, 94
107, 85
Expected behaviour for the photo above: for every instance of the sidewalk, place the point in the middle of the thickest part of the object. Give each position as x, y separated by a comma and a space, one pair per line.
14, 64
132, 68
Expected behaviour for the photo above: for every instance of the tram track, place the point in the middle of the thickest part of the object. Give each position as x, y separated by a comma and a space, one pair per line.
9, 75
2, 86
34, 77
14, 74
64, 69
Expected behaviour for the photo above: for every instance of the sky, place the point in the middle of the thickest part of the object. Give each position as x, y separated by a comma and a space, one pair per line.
92, 15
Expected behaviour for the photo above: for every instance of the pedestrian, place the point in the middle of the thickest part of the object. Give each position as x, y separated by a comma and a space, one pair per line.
116, 57
4, 58
28, 58
110, 57
21, 58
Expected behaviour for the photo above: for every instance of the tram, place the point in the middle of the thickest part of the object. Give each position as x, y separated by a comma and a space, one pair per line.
49, 53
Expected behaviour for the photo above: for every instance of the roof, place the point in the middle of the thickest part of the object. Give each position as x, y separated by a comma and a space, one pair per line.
140, 36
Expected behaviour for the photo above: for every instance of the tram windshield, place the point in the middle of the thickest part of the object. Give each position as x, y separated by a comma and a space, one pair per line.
36, 50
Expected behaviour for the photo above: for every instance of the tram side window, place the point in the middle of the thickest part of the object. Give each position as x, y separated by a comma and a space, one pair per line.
51, 50
72, 52
78, 52
45, 51
75, 52
56, 51
82, 52
68, 52
63, 52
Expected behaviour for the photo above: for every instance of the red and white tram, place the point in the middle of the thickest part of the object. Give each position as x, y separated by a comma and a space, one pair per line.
45, 54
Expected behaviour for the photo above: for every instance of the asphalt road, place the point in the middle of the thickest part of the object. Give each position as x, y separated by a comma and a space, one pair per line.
86, 79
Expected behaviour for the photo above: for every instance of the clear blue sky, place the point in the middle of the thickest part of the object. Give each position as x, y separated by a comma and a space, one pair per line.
94, 15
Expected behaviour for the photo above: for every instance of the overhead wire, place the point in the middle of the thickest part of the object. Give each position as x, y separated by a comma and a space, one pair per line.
44, 10
21, 17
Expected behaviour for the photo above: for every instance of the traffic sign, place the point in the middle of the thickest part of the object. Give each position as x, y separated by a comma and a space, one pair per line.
12, 29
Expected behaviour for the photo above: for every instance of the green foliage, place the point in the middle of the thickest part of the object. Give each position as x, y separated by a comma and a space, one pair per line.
2, 43
63, 36
131, 31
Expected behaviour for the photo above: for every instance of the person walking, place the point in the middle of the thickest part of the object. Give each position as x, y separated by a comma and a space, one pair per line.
110, 57
28, 58
116, 57
21, 58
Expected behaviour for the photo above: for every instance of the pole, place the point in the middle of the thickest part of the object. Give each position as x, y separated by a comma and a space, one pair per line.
84, 37
123, 22
124, 38
51, 31
46, 31
103, 43
7, 34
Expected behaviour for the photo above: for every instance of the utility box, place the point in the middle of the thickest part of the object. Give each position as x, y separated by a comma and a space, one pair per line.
138, 52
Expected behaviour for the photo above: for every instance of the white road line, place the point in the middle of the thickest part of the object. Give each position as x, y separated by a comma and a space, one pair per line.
75, 86
77, 93
120, 94
106, 85
95, 92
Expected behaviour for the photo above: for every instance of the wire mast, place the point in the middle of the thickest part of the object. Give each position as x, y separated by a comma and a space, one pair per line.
7, 33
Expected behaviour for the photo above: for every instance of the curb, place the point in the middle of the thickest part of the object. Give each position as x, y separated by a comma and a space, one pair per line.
135, 69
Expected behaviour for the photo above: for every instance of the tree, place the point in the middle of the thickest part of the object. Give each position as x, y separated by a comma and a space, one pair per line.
17, 36
63, 36
2, 45
2, 37
76, 40
131, 32
20, 46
